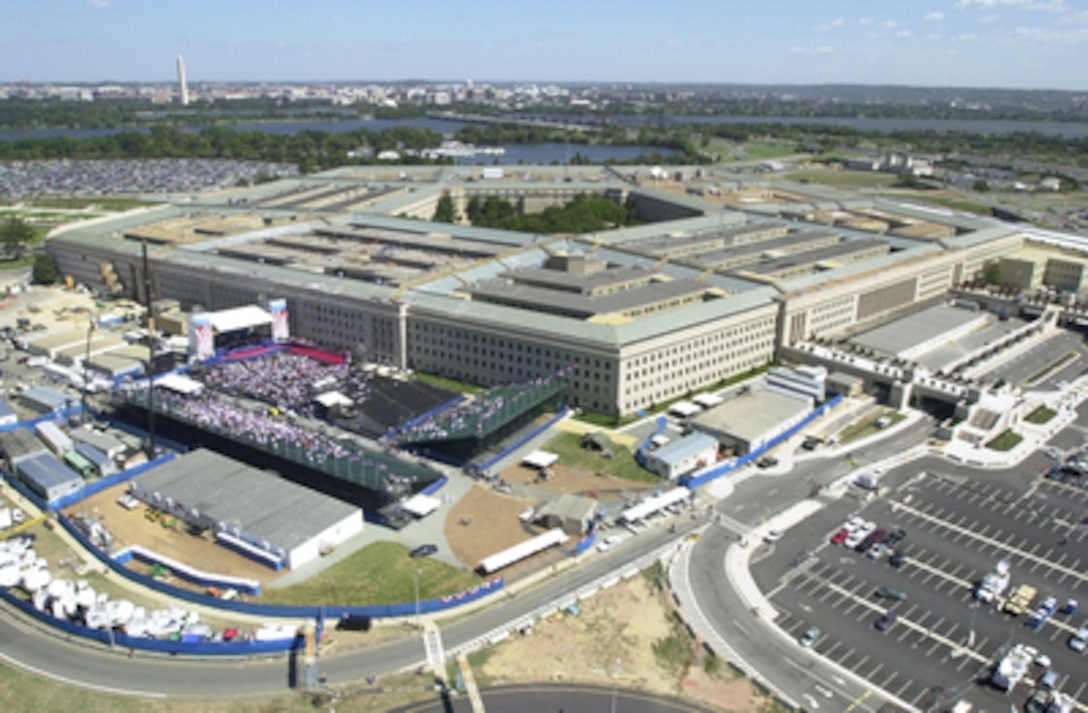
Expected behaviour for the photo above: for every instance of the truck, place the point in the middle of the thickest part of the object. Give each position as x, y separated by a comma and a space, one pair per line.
1044, 612
1020, 600
1011, 669
993, 584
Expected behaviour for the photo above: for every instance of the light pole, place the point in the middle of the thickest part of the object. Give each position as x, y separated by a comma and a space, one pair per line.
418, 572
615, 683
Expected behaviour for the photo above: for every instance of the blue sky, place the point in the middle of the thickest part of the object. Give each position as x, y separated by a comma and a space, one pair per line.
1005, 43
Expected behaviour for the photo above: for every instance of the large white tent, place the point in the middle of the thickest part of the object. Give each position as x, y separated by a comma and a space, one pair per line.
540, 459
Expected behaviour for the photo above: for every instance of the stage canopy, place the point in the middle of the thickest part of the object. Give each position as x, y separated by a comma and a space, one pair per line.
330, 399
180, 384
421, 505
232, 320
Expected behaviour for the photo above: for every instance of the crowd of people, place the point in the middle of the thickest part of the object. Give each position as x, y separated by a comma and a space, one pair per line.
471, 418
283, 379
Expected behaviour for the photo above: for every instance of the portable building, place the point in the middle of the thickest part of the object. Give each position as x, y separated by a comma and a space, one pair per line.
103, 464
48, 477
110, 445
57, 440
7, 414
682, 456
19, 444
74, 460
45, 399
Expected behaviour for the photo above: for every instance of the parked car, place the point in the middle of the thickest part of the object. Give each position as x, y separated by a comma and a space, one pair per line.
891, 593
809, 637
840, 537
1053, 452
879, 550
886, 620
1079, 640
898, 558
774, 535
424, 550
895, 537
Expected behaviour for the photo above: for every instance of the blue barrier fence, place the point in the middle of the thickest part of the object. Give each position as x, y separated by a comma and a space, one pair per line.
435, 486
640, 454
586, 542
54, 416
524, 439
428, 415
704, 478
148, 558
377, 611
109, 481
203, 648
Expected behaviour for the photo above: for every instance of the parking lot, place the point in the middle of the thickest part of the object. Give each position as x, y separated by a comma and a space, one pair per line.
943, 642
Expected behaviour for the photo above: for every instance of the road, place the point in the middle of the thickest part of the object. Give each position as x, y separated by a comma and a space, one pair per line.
564, 699
46, 653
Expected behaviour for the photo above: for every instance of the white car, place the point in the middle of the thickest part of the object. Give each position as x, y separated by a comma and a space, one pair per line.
854, 540
774, 535
1079, 640
608, 543
853, 524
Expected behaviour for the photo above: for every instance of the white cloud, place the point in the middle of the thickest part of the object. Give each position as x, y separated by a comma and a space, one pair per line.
812, 50
99, 4
833, 25
889, 25
904, 34
1021, 4
933, 37
987, 19
1045, 35
1076, 18
933, 16
865, 21
967, 37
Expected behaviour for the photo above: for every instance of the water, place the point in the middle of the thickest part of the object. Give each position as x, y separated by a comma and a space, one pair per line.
1078, 130
546, 153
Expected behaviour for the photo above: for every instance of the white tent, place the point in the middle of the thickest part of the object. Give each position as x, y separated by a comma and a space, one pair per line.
655, 504
707, 400
333, 398
420, 505
231, 320
540, 459
685, 409
179, 383
522, 550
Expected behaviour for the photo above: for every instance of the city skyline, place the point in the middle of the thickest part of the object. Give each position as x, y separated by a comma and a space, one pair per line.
1029, 44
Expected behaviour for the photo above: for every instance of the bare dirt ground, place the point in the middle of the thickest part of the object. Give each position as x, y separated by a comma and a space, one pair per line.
565, 479
612, 640
131, 527
485, 522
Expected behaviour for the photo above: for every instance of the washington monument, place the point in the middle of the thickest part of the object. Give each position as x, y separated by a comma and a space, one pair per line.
183, 88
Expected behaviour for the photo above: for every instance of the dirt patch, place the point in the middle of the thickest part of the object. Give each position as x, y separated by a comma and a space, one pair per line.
484, 522
132, 527
612, 640
564, 479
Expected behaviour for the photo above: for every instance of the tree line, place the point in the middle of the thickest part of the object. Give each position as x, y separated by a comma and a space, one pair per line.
583, 214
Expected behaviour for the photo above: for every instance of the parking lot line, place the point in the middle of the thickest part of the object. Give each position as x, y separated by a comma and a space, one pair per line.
899, 693
875, 671
1027, 556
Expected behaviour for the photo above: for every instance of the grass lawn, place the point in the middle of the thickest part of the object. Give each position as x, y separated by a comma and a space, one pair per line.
572, 455
944, 201
1005, 442
113, 204
380, 573
441, 382
867, 425
1040, 415
757, 151
857, 179
25, 692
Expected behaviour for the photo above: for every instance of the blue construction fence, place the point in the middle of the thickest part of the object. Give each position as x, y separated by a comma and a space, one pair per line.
426, 416
640, 454
166, 646
704, 478
29, 424
436, 485
377, 611
586, 542
524, 439
97, 486
127, 556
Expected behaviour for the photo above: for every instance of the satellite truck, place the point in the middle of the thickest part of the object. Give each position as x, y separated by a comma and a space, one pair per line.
1011, 669
993, 584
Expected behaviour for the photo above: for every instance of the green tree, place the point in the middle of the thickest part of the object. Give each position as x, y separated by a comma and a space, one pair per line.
15, 234
981, 185
44, 271
444, 211
991, 272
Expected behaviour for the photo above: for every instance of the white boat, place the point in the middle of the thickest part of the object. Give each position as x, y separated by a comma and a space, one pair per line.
40, 599
120, 611
202, 630
97, 618
10, 575
137, 626
35, 578
61, 587
85, 595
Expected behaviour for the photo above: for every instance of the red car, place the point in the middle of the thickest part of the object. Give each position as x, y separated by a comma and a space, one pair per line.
840, 537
